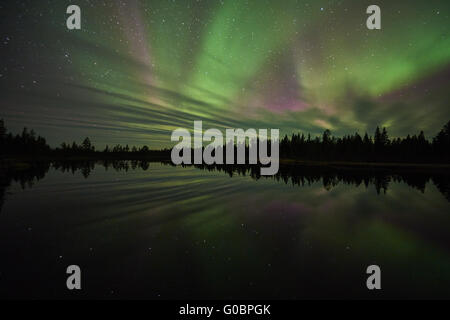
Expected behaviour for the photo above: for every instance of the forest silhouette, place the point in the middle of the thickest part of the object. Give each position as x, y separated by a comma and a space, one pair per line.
26, 158
354, 147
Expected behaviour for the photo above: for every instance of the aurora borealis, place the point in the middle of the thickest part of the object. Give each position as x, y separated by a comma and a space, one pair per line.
139, 69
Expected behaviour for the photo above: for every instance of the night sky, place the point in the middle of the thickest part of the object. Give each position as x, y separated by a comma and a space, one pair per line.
139, 69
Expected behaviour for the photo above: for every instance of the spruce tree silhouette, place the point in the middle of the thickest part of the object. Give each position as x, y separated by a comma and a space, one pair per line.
353, 148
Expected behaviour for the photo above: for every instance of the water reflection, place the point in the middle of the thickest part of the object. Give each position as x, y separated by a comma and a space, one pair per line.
332, 176
329, 177
152, 230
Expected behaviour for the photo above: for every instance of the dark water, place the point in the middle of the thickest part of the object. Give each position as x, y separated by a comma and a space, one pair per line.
155, 231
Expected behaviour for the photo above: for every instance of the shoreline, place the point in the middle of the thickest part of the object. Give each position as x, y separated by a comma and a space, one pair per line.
361, 164
23, 162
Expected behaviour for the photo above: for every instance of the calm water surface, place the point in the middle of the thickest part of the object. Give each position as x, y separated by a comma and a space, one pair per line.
176, 233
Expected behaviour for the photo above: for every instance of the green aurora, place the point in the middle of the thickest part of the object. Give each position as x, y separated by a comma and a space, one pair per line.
137, 70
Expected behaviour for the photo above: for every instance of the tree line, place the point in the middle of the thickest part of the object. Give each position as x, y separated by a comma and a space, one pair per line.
380, 147
377, 148
86, 146
28, 143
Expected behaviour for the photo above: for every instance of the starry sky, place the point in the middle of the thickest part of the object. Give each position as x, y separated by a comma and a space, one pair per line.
137, 70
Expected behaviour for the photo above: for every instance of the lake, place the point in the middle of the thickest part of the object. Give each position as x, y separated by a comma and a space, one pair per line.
156, 231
